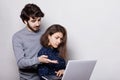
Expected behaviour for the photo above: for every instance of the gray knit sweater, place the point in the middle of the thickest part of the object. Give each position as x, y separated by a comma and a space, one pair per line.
26, 45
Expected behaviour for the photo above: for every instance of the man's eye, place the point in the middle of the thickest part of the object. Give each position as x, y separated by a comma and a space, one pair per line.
32, 21
39, 19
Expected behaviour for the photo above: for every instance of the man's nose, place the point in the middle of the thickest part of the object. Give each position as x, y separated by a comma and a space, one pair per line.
37, 23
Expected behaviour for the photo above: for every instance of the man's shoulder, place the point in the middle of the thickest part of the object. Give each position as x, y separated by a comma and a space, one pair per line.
18, 33
21, 30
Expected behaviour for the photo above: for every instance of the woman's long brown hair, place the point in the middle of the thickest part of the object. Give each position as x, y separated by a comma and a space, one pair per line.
51, 30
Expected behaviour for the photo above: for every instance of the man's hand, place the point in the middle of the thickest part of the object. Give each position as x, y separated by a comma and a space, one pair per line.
44, 59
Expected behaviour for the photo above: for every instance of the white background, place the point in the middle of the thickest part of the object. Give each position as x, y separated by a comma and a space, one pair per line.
93, 28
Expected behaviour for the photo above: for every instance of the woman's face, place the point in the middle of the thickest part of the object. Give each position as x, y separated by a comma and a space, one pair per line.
55, 39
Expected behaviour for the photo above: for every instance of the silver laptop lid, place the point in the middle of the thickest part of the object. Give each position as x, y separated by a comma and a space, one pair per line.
79, 69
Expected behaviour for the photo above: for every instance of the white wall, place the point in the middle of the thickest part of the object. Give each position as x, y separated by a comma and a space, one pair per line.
93, 32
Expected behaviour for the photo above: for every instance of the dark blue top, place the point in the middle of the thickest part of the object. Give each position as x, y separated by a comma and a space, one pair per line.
50, 68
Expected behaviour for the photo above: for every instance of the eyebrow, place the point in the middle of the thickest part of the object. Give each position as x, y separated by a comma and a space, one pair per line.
33, 20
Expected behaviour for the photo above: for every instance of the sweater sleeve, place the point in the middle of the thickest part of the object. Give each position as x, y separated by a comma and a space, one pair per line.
22, 61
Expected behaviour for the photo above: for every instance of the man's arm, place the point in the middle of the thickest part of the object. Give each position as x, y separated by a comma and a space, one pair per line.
26, 62
22, 60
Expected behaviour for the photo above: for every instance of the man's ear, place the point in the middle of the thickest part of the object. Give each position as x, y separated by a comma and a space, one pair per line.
25, 22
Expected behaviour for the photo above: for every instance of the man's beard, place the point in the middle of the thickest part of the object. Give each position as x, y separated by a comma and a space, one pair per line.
32, 28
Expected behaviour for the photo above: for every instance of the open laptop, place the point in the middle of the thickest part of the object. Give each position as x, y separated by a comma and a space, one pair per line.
75, 70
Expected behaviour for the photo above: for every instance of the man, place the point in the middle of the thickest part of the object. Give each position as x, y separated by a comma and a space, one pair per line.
26, 43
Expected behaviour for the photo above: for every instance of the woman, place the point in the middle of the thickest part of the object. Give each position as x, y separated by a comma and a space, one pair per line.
54, 48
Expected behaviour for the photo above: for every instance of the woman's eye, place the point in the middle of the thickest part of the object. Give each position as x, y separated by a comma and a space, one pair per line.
57, 37
61, 39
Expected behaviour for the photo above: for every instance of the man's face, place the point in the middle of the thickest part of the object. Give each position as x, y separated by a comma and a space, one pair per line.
33, 24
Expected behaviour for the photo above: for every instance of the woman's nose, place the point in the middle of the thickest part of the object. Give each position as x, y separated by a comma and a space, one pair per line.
59, 41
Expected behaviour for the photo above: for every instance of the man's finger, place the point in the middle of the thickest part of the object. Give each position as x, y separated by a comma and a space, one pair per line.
44, 56
53, 61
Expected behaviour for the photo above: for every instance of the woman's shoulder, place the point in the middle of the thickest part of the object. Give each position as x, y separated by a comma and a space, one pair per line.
45, 49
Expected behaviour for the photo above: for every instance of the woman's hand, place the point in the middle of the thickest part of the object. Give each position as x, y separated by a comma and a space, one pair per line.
60, 72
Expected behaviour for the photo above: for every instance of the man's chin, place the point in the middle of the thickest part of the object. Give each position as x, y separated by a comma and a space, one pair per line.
36, 30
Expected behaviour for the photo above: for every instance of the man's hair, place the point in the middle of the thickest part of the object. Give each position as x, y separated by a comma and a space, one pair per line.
50, 31
31, 10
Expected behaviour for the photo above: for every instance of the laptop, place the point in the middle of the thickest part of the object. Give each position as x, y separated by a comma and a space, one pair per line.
75, 70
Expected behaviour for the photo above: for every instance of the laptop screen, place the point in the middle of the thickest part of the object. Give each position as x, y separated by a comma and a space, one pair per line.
79, 69
75, 70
